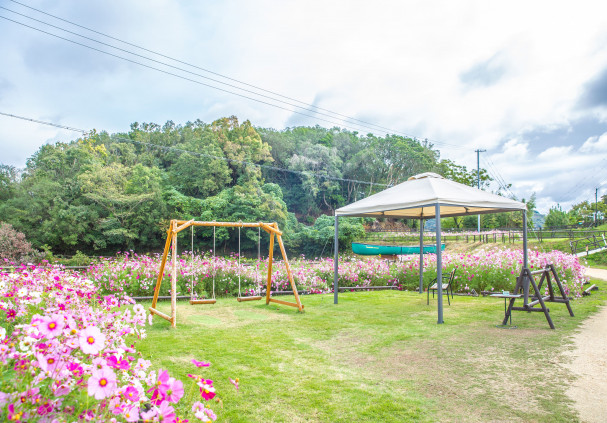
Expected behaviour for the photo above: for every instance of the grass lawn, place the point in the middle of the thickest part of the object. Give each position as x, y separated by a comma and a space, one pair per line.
376, 357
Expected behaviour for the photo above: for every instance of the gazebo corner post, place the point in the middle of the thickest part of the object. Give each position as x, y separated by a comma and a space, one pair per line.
336, 262
525, 252
439, 265
421, 255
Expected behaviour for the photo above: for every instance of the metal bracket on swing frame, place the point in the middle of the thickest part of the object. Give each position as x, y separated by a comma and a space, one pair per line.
177, 226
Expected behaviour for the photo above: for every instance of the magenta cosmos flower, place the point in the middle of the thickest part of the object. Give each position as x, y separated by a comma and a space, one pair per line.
207, 391
200, 363
173, 392
91, 340
102, 383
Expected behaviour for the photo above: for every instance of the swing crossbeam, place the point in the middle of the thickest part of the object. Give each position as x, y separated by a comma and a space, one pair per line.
268, 227
274, 300
177, 226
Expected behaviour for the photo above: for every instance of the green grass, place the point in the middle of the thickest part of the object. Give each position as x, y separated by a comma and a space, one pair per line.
374, 357
598, 260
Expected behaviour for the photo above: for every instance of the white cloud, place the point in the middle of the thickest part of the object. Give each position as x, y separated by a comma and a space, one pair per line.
396, 64
555, 153
595, 144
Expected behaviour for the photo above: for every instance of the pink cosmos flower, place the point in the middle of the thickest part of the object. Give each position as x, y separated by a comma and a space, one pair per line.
161, 385
203, 413
131, 394
91, 340
131, 413
102, 383
143, 364
172, 392
212, 416
51, 326
166, 413
48, 363
200, 363
234, 382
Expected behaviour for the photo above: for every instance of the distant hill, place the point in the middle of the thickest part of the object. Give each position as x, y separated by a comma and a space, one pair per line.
538, 219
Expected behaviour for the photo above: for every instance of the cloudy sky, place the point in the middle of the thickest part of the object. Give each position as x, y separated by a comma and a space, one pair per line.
524, 80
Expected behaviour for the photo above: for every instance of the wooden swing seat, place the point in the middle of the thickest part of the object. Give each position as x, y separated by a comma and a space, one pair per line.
203, 301
251, 298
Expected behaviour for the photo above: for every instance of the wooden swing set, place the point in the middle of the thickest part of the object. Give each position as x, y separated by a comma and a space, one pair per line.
177, 226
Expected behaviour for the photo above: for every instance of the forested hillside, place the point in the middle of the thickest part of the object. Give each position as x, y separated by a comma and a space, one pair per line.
109, 192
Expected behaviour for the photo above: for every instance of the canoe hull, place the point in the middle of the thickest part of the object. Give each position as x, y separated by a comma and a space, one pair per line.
375, 250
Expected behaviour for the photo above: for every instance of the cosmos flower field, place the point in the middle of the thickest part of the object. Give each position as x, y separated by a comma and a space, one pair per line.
67, 354
68, 341
136, 275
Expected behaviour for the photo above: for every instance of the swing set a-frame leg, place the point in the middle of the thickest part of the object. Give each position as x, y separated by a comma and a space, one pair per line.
165, 254
269, 298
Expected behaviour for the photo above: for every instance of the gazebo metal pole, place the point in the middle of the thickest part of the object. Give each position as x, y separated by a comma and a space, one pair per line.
421, 256
335, 262
439, 265
525, 253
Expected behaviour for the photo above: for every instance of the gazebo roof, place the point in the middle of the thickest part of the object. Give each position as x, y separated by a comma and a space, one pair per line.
417, 198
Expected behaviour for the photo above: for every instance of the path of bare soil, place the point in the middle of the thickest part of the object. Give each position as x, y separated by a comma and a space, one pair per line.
589, 364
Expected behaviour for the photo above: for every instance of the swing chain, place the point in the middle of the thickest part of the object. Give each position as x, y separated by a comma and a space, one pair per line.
239, 268
191, 266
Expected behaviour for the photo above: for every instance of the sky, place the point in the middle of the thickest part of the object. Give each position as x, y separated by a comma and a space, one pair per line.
525, 81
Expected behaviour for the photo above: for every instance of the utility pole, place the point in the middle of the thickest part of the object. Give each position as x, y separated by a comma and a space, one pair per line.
478, 179
596, 207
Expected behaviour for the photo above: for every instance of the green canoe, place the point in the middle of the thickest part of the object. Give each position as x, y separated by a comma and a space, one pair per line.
375, 250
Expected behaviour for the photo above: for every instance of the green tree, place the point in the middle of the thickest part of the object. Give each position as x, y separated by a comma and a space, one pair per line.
556, 217
121, 193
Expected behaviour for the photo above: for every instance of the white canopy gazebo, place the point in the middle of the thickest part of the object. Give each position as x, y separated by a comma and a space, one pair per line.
428, 196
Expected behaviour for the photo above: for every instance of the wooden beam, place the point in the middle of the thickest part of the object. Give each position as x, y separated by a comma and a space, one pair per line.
537, 301
270, 229
591, 288
160, 314
167, 245
174, 275
529, 309
289, 273
219, 224
274, 300
161, 297
184, 226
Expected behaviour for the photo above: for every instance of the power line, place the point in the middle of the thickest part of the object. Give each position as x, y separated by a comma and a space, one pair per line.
180, 150
307, 105
69, 128
498, 177
189, 72
589, 177
173, 74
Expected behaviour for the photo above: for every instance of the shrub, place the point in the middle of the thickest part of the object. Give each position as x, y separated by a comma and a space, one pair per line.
13, 245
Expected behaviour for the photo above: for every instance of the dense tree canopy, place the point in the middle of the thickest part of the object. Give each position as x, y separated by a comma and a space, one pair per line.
107, 192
